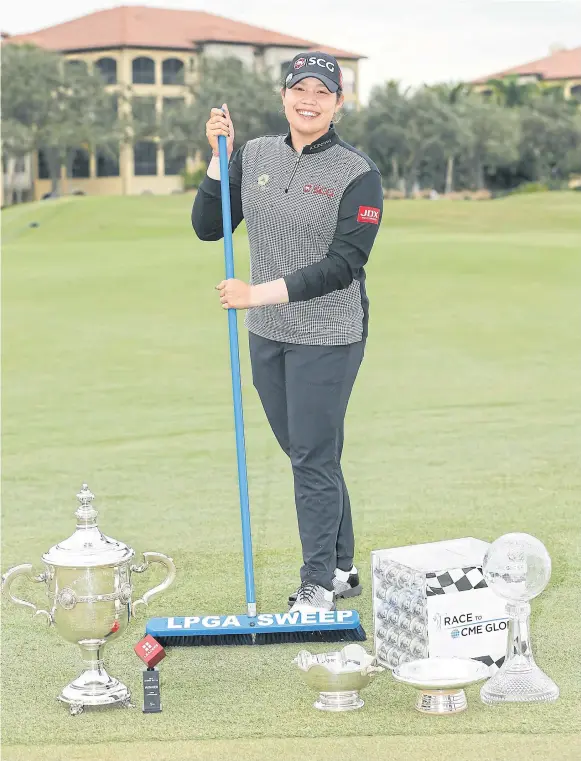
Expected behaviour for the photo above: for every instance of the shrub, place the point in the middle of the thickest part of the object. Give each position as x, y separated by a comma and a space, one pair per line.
193, 179
468, 195
392, 194
532, 187
481, 195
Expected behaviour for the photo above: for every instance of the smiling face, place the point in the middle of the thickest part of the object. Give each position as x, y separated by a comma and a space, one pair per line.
310, 107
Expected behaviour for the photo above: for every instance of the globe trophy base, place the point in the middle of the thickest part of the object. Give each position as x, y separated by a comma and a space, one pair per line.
95, 688
441, 702
339, 701
517, 686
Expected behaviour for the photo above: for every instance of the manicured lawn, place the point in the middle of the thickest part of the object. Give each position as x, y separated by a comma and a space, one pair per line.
465, 421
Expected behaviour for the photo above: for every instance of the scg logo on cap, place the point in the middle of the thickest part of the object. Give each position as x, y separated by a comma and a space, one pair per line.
320, 62
300, 62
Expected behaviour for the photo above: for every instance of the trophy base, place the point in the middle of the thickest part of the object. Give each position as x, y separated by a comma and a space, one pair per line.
519, 686
441, 702
339, 701
95, 688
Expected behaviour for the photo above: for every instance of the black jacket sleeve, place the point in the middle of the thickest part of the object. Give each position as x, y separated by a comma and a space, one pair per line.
207, 208
360, 213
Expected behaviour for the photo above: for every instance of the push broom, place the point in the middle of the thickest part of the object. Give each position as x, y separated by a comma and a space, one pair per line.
252, 628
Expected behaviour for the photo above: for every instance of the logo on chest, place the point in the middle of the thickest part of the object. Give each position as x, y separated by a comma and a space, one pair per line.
317, 190
263, 179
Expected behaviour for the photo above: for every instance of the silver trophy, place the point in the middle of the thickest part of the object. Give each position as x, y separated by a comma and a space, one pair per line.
87, 579
517, 567
338, 676
440, 682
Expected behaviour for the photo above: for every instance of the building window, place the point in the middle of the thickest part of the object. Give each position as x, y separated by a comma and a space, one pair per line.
108, 162
143, 71
172, 104
79, 166
20, 165
143, 110
107, 68
174, 158
145, 158
528, 78
43, 166
348, 80
576, 92
173, 71
75, 66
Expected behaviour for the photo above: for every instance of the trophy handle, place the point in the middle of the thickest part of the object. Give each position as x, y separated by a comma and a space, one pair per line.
154, 557
24, 570
373, 669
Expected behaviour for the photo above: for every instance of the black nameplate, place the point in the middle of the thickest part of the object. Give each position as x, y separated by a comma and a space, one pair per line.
151, 696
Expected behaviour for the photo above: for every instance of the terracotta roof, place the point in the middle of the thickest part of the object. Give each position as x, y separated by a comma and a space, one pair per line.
563, 64
140, 26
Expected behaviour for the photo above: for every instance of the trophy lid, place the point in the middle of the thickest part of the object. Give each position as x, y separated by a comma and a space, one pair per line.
87, 547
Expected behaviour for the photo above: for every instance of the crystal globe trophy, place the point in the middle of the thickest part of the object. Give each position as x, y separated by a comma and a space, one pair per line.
517, 567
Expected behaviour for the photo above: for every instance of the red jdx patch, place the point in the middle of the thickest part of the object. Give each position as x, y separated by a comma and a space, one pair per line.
368, 214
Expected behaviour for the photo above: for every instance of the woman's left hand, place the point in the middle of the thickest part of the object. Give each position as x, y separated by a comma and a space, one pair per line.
234, 294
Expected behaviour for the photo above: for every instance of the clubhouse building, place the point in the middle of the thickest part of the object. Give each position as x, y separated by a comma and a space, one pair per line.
152, 56
561, 67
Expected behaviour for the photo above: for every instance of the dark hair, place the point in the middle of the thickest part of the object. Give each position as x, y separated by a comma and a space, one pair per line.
338, 92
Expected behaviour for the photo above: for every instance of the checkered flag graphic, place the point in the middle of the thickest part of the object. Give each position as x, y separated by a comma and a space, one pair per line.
492, 664
454, 580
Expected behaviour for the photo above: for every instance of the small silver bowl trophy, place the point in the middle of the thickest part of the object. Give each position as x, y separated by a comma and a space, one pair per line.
338, 676
87, 579
440, 682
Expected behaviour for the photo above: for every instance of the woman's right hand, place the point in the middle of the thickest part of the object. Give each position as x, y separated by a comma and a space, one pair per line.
220, 123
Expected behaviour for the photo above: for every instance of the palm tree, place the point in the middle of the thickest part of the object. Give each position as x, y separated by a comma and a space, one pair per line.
385, 129
17, 143
454, 95
494, 137
181, 128
51, 107
511, 93
556, 93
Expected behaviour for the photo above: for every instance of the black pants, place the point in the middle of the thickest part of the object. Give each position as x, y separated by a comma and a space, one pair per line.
304, 391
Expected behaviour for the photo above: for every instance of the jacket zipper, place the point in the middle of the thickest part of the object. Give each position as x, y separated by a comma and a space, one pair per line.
297, 162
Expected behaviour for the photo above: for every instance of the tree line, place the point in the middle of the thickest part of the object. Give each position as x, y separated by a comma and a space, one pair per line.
444, 136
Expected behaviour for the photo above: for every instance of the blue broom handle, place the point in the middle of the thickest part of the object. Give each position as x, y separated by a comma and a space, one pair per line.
236, 383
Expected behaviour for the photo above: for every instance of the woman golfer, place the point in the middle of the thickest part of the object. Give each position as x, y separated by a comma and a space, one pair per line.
312, 205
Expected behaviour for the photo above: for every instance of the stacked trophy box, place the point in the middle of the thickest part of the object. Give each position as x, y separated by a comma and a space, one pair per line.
431, 600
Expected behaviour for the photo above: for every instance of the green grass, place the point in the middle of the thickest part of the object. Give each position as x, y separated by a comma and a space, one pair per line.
464, 421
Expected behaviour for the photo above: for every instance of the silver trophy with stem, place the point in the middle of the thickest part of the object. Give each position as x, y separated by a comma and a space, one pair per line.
88, 581
517, 567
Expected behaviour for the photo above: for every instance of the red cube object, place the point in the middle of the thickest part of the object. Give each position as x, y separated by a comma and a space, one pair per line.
150, 651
